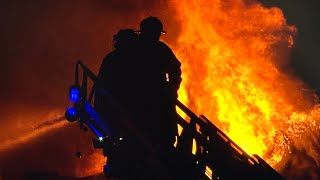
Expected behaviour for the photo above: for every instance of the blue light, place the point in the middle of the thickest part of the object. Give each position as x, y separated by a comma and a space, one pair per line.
71, 114
95, 131
74, 94
72, 111
96, 117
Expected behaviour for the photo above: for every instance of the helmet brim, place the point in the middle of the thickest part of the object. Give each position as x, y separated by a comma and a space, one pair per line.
139, 32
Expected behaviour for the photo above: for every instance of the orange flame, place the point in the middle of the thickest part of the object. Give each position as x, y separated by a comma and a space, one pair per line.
233, 54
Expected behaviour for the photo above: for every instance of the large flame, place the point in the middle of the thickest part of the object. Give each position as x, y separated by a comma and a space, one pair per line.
233, 54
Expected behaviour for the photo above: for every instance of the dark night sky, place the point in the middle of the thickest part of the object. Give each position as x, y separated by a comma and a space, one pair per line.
41, 40
306, 53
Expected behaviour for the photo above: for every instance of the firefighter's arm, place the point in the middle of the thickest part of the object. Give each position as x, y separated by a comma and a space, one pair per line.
173, 69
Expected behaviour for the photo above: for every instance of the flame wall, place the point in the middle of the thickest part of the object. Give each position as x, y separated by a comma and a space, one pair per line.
235, 62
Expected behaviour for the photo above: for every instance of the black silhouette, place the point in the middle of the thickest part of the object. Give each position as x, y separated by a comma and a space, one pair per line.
143, 75
115, 79
156, 92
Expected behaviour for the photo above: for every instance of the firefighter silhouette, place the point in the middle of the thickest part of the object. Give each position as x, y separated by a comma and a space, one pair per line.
143, 75
114, 78
160, 74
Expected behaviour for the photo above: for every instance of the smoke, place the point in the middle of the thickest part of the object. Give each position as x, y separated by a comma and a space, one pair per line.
40, 43
305, 56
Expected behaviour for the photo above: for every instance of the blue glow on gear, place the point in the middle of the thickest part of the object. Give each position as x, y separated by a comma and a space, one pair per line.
74, 94
71, 114
98, 120
95, 131
72, 111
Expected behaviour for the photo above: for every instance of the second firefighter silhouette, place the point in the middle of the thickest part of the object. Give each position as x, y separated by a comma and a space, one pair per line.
143, 75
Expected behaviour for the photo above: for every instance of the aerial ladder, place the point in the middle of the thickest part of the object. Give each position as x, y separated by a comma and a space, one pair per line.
211, 153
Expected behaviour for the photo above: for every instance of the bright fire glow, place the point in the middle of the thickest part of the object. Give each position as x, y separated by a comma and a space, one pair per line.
233, 54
